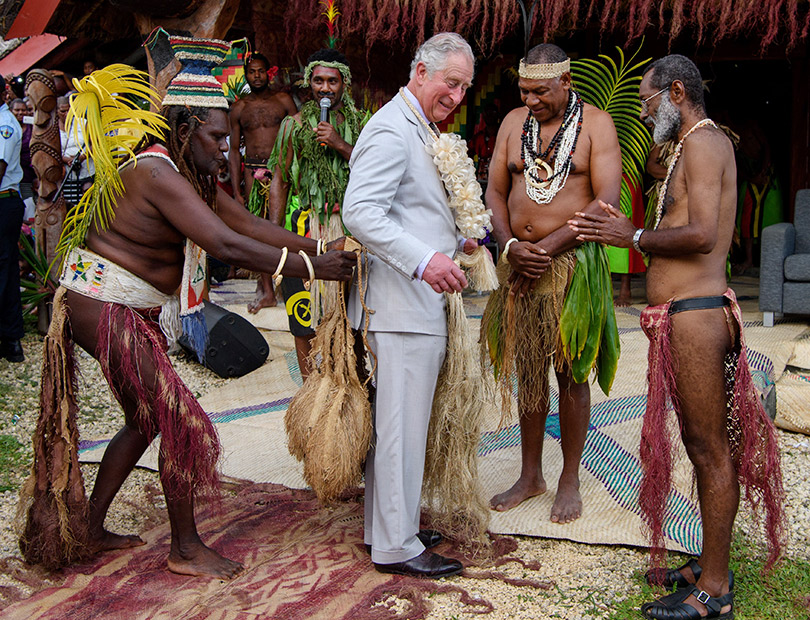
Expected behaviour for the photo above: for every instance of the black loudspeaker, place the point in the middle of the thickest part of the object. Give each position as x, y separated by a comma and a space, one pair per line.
235, 346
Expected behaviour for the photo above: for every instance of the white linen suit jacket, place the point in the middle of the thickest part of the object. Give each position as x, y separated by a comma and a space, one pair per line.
396, 205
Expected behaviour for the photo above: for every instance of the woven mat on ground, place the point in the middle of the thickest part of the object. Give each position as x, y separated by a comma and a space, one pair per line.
249, 414
302, 563
235, 295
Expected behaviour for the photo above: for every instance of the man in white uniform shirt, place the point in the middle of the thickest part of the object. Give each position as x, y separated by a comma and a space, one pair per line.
11, 217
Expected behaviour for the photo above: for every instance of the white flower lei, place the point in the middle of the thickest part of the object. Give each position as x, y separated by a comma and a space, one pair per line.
449, 152
473, 219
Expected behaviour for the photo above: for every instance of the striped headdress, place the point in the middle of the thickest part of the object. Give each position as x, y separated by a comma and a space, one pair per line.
194, 86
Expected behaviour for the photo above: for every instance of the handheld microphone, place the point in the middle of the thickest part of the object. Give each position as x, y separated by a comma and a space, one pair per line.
325, 104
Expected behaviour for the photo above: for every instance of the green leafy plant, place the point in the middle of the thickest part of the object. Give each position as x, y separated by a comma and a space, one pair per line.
588, 328
42, 287
613, 87
235, 87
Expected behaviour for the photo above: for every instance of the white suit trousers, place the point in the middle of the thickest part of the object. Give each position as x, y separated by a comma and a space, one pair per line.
408, 365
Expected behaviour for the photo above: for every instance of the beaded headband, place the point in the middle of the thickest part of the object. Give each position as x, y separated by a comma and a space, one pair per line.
545, 71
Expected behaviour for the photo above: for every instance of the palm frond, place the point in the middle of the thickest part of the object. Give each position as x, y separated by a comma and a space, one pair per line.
613, 87
104, 114
235, 87
41, 287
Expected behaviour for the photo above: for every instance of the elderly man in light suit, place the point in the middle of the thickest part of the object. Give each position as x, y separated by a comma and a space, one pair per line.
396, 205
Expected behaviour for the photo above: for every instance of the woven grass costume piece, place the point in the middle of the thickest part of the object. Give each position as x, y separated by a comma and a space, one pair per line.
568, 315
328, 421
523, 333
52, 513
451, 485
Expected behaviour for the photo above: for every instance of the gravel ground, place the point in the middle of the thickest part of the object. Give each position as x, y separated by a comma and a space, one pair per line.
586, 580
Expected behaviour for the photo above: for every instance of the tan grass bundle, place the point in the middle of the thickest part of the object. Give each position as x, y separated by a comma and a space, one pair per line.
328, 421
451, 486
324, 293
479, 269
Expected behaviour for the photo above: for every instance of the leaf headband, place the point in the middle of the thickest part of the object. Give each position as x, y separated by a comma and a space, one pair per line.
345, 72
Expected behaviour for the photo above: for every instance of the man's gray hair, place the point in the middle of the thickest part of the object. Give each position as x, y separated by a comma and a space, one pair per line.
434, 52
677, 67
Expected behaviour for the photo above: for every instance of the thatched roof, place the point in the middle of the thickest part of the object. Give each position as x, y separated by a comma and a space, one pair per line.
100, 20
485, 22
488, 22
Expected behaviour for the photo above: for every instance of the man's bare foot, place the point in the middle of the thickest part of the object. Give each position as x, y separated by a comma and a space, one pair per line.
262, 300
201, 561
624, 298
568, 503
520, 492
108, 541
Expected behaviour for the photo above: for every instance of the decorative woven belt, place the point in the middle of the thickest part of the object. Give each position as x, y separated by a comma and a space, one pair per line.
9, 193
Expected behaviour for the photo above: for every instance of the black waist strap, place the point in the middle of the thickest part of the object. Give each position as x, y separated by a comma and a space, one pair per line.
699, 303
255, 162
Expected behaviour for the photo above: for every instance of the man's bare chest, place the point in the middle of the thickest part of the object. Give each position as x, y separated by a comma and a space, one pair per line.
672, 204
258, 115
544, 152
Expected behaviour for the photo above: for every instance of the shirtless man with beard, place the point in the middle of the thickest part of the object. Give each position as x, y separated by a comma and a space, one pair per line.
256, 118
697, 354
573, 146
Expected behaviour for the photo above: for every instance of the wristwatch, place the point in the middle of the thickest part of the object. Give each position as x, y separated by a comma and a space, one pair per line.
636, 239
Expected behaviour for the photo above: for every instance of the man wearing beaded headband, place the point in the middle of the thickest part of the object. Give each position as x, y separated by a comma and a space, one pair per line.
311, 169
697, 354
124, 262
553, 157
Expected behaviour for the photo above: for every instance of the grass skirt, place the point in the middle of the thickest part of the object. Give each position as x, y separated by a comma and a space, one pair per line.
521, 335
52, 513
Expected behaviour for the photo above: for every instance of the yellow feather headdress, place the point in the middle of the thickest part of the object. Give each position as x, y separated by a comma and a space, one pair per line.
105, 114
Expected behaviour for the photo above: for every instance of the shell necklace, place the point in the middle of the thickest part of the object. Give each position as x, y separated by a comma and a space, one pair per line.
676, 155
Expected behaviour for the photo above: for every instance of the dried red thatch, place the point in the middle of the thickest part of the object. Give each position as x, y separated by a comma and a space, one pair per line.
487, 22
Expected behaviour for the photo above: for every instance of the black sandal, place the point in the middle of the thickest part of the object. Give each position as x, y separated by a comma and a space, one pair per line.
673, 576
673, 607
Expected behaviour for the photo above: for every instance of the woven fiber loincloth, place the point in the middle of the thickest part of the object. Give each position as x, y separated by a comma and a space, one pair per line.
751, 433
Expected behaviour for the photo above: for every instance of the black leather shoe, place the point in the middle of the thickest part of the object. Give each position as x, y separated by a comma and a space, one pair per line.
12, 350
426, 565
429, 538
